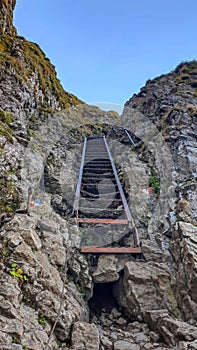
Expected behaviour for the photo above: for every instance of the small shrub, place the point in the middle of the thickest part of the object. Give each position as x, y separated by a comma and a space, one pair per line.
6, 131
155, 183
42, 320
17, 273
88, 240
16, 340
6, 117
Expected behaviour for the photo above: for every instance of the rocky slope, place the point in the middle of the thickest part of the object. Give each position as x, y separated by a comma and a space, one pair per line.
106, 302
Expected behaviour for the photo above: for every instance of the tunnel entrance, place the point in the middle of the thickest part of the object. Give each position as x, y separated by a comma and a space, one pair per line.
103, 299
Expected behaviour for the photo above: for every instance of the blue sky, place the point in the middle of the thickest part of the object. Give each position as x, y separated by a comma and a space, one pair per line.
105, 50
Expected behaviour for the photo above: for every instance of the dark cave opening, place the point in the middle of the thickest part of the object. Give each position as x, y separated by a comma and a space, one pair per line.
103, 299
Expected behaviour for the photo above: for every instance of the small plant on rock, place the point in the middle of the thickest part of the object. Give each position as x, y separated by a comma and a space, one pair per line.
16, 340
155, 183
42, 320
17, 273
88, 240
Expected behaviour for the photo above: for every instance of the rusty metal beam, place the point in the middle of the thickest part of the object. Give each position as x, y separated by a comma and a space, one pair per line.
78, 189
102, 221
112, 250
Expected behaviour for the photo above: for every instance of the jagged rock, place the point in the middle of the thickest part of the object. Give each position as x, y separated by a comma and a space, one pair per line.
46, 285
167, 336
141, 337
179, 329
170, 329
184, 249
108, 268
26, 226
41, 149
152, 317
85, 336
6, 21
106, 343
145, 286
79, 269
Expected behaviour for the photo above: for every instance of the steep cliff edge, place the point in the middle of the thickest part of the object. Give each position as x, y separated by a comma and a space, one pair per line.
30, 93
6, 17
170, 102
107, 302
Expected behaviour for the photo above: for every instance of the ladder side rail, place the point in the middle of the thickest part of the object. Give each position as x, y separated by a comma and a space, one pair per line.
78, 189
125, 204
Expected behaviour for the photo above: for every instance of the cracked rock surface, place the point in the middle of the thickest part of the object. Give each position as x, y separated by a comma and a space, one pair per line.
108, 302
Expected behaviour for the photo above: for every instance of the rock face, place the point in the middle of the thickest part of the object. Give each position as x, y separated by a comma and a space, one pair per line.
37, 283
107, 302
170, 103
184, 252
85, 337
6, 17
146, 286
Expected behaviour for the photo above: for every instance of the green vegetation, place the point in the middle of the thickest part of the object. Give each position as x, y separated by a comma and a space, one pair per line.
5, 119
42, 320
88, 240
17, 273
25, 58
155, 183
5, 252
16, 340
187, 72
6, 131
9, 196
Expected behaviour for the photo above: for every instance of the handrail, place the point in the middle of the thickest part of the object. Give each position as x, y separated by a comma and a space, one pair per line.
130, 138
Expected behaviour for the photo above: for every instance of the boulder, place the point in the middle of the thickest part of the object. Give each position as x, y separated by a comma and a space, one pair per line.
108, 268
85, 336
145, 286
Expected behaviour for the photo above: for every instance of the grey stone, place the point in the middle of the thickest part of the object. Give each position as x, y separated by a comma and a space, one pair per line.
108, 268
141, 337
121, 321
106, 343
125, 345
85, 336
136, 291
40, 244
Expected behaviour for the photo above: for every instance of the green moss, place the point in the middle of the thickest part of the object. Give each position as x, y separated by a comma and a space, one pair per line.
9, 196
6, 117
187, 67
6, 131
29, 59
187, 72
